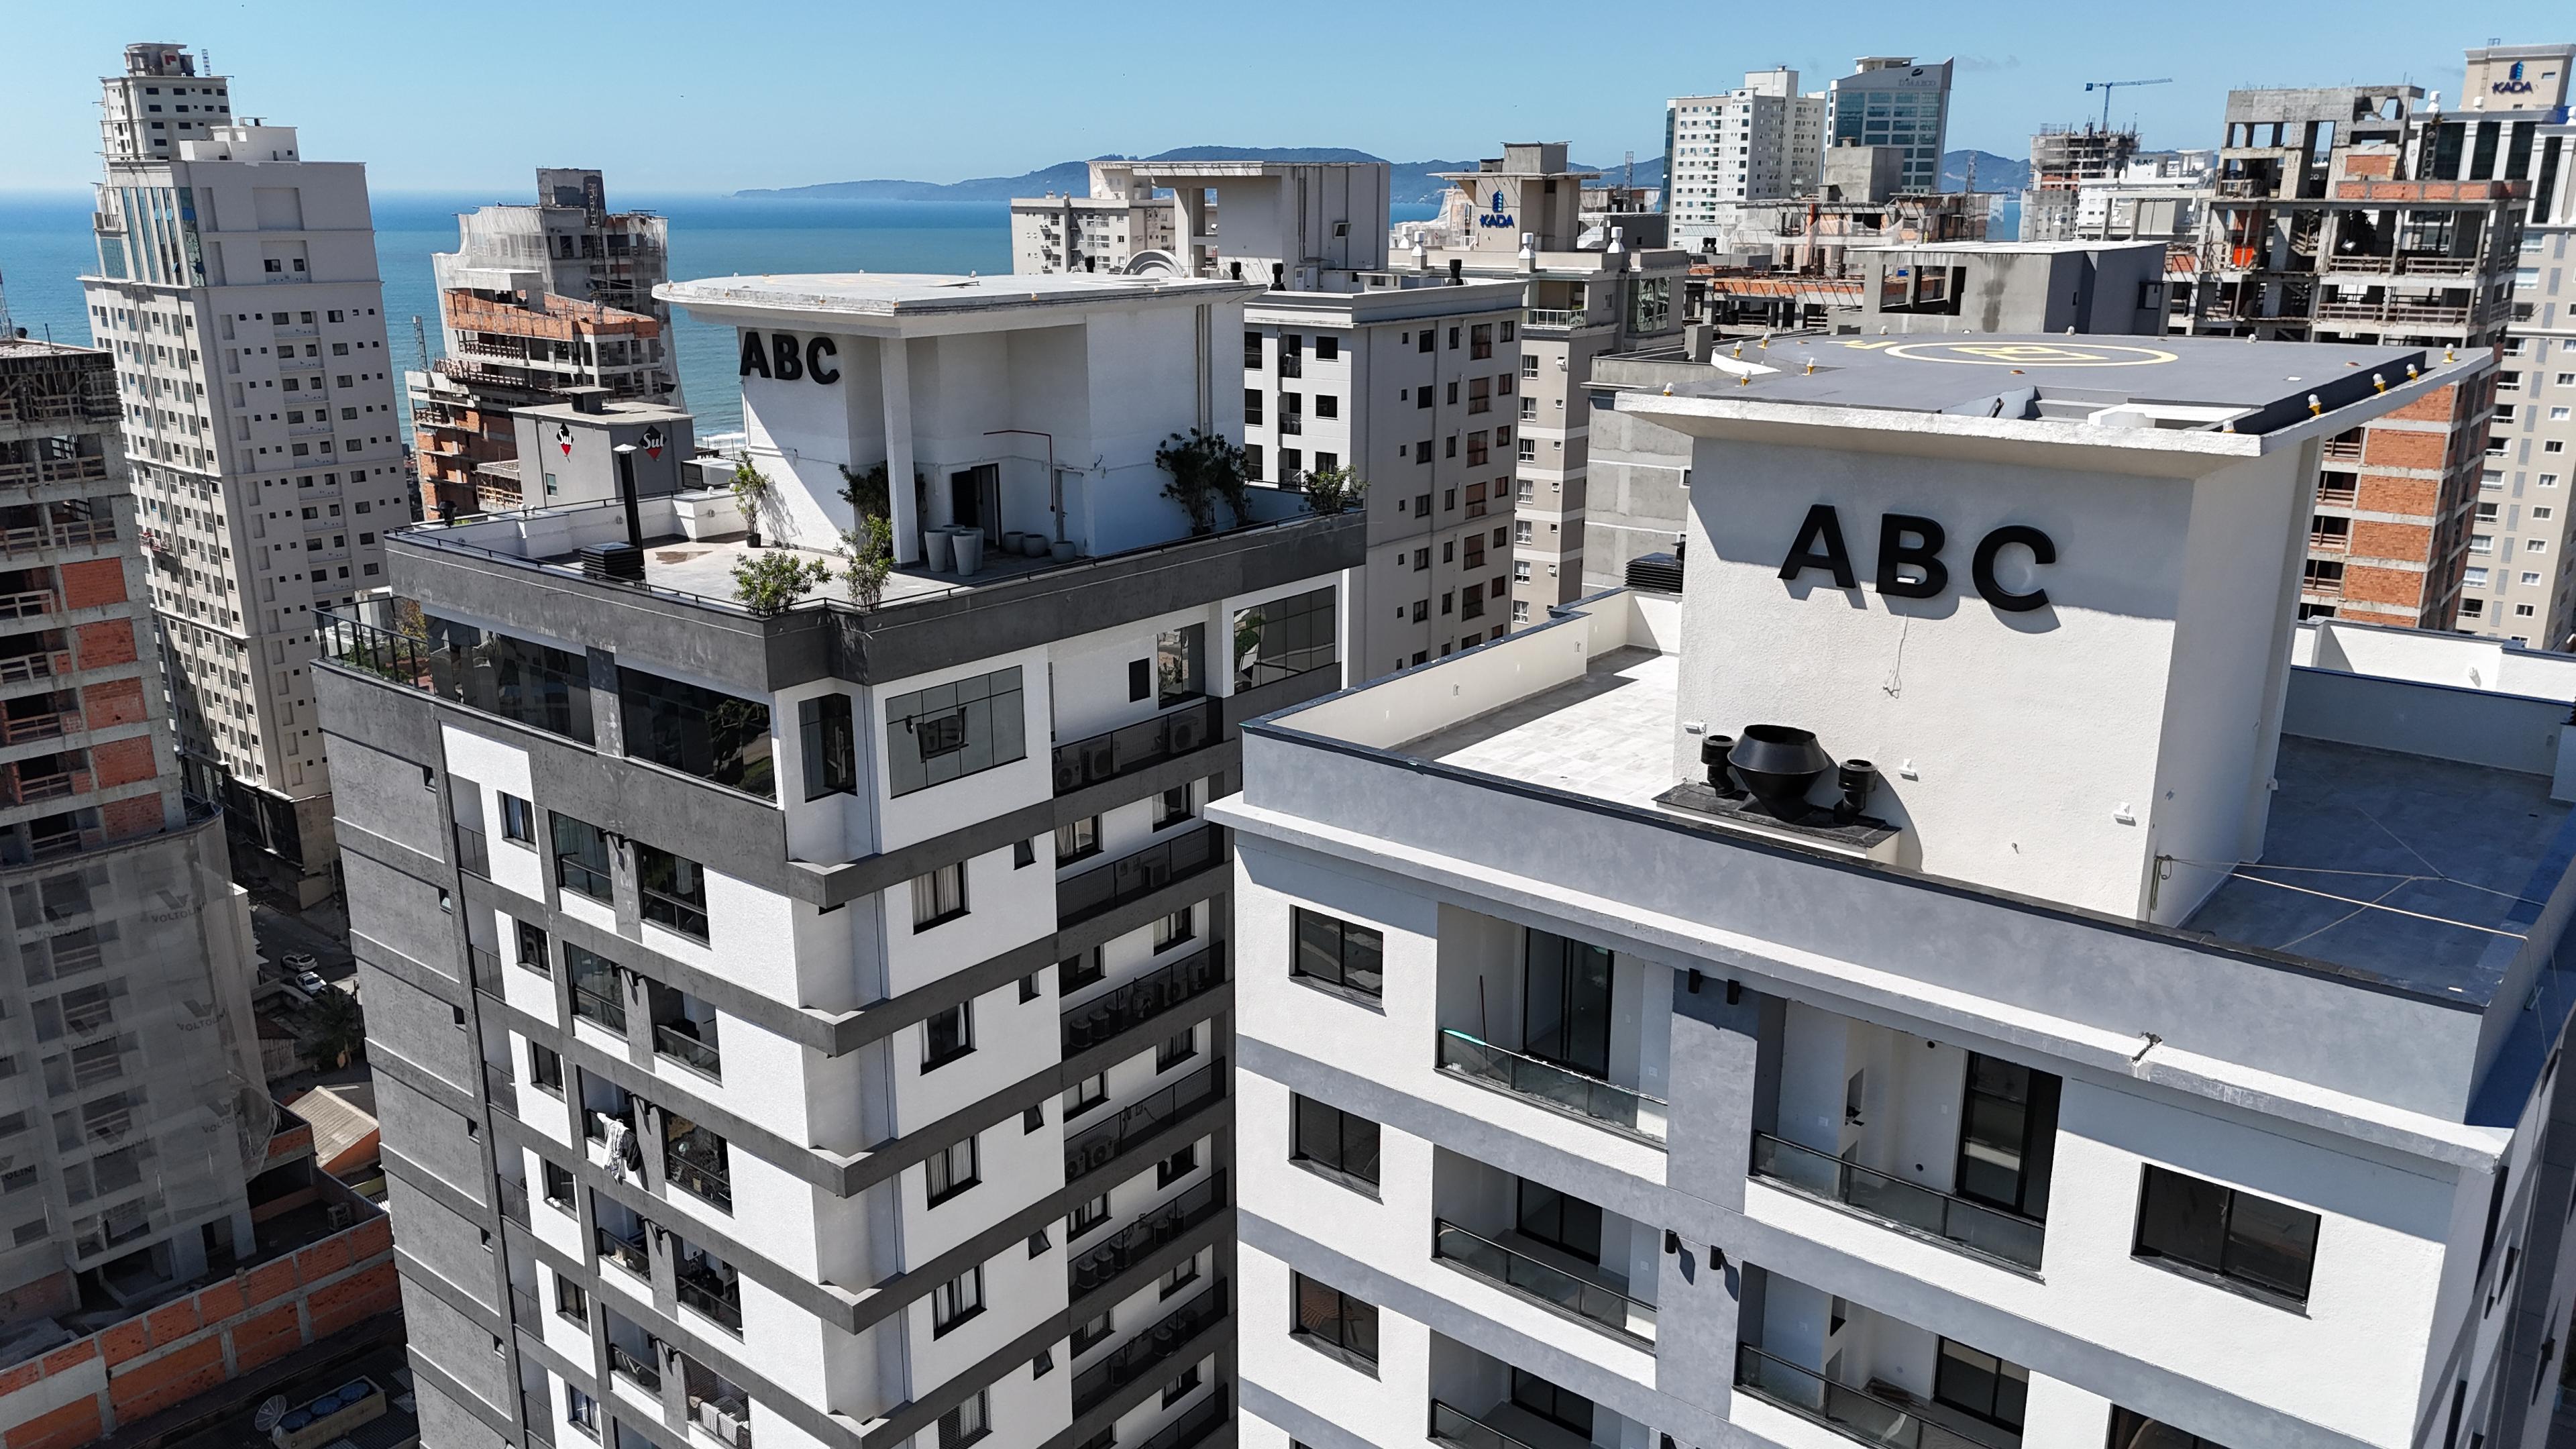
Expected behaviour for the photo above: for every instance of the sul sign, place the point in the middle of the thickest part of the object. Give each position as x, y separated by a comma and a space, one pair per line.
1909, 542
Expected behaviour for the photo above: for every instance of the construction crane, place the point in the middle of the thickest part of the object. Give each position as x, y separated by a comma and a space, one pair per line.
2106, 87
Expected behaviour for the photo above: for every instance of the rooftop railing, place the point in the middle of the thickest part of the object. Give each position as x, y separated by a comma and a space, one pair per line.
1544, 1283
1551, 1084
1988, 1231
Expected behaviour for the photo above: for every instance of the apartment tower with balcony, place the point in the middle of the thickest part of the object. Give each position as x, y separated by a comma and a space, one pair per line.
1942, 976
1759, 142
537, 300
236, 289
811, 1024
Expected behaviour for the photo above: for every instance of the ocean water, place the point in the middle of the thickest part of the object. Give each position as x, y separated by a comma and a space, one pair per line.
45, 245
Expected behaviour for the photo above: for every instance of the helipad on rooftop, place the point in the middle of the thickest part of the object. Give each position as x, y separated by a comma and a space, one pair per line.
893, 296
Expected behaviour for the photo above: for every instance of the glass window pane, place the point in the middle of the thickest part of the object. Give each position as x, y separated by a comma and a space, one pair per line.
1359, 1147
2181, 1218
2270, 1244
1319, 946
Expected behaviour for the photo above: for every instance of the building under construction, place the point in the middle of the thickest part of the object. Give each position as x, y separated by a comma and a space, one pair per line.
535, 301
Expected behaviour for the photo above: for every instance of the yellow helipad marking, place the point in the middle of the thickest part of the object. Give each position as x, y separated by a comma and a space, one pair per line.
2030, 354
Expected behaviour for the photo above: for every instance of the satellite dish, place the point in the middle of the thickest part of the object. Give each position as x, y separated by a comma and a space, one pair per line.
271, 1409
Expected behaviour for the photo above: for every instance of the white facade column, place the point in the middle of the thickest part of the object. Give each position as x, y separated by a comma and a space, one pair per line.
893, 365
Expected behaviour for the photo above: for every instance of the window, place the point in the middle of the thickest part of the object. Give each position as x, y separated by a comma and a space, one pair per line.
1172, 930
1565, 1014
1076, 972
956, 1300
1331, 1320
531, 941
1086, 1094
570, 1300
1285, 638
1077, 838
1183, 1274
581, 858
1480, 342
1556, 1405
1328, 348
1329, 406
716, 737
947, 1035
1177, 1166
581, 1411
1252, 407
674, 889
953, 730
1981, 1385
1176, 1049
1092, 1331
2007, 1136
1180, 671
1086, 1216
965, 1424
939, 896
545, 1068
1338, 954
518, 820
828, 742
2133, 1430
1327, 1138
952, 1170
556, 1183
2247, 1241
1180, 1388
1172, 806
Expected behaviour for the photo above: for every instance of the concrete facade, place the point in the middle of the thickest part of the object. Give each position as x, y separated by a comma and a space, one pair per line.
1890, 100
1750, 1202
813, 1027
1760, 141
237, 288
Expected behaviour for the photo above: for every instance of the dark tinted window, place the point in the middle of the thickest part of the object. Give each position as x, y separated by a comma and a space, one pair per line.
1338, 953
1332, 1139
1568, 1003
2133, 1430
1568, 1224
1285, 638
699, 732
829, 747
2264, 1245
1981, 1384
1329, 1318
953, 730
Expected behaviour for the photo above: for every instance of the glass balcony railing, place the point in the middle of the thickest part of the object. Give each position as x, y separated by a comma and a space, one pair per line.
717, 1298
1138, 875
627, 1253
1096, 1147
1139, 1001
1149, 1352
1100, 1265
1619, 1108
1190, 1428
635, 1367
473, 855
1854, 1413
1459, 1429
1518, 1272
1976, 1227
1126, 750
686, 1049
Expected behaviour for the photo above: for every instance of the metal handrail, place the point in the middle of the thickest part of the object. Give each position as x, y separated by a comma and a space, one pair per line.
1455, 1426
688, 1050
607, 1011
1855, 1412
1193, 1426
1133, 1003
1541, 1282
1952, 1219
674, 913
1138, 874
1097, 1147
500, 1089
1623, 1109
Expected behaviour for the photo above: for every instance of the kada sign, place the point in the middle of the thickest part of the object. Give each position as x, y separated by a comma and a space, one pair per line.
1499, 216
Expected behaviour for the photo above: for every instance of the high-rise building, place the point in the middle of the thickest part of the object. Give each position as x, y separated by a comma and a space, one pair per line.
1945, 974
1405, 378
1586, 292
236, 288
809, 1025
1889, 100
142, 1162
535, 301
1758, 142
2343, 215
2513, 127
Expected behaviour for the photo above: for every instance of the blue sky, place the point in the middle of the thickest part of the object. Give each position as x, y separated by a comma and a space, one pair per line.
673, 97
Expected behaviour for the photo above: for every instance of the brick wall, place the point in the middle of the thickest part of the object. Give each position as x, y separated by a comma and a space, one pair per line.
88, 585
133, 819
112, 702
119, 1376
105, 643
122, 762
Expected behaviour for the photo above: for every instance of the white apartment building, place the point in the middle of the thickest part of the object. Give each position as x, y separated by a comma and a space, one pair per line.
1890, 100
1582, 297
813, 1027
1411, 384
1759, 142
2513, 125
237, 288
1304, 221
1949, 975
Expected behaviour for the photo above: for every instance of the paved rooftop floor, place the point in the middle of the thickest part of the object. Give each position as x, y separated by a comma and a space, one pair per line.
2400, 866
1607, 735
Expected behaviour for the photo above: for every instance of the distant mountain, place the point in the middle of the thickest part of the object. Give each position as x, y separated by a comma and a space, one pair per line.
1409, 182
1994, 173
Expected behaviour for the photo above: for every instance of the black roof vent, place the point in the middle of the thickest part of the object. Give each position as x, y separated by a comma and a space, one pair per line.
1661, 572
617, 562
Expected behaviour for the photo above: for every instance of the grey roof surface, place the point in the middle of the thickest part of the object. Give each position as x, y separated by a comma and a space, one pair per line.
2418, 871
1956, 372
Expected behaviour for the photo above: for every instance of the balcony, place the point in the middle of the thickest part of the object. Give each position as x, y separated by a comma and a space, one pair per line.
713, 1291
685, 1048
500, 1089
1868, 1415
627, 1253
1089, 1151
1136, 1002
1459, 1429
1135, 876
1100, 1265
695, 1161
609, 1011
1549, 1085
1909, 1207
1543, 1283
514, 1201
27, 668
1145, 1355
26, 603
1204, 1419
51, 725
1554, 318
631, 1366
1124, 751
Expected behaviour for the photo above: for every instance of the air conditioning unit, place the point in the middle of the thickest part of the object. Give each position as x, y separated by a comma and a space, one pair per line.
1189, 731
1099, 760
1068, 774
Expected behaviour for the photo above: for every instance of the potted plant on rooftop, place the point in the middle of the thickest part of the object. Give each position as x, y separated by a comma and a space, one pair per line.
751, 493
1331, 490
